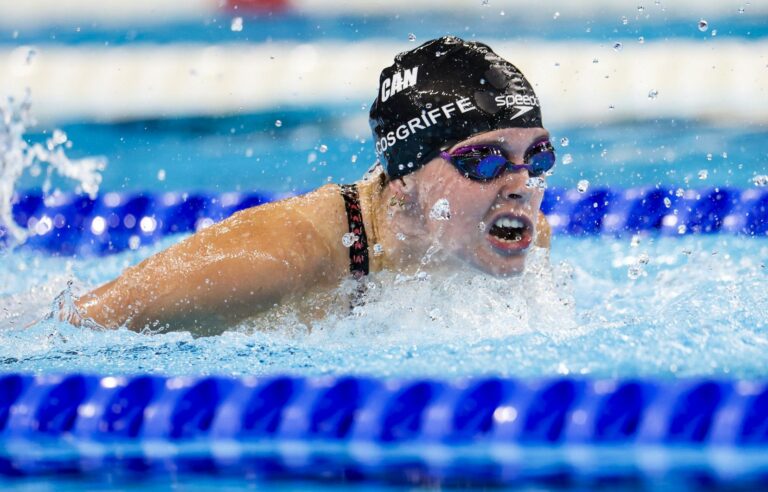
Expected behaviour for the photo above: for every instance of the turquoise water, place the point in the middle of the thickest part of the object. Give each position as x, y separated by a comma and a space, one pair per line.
250, 152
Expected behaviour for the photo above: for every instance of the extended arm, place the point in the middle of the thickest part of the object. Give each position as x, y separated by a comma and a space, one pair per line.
229, 271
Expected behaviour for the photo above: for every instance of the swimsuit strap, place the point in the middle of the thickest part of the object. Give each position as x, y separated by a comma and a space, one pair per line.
358, 252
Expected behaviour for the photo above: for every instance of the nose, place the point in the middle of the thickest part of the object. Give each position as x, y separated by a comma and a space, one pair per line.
514, 186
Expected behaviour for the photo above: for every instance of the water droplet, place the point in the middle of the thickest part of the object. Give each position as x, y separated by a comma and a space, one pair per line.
582, 186
411, 37
441, 210
278, 123
237, 24
161, 175
760, 180
400, 236
378, 249
567, 159
323, 148
349, 239
400, 167
667, 202
617, 46
564, 142
536, 182
58, 137
703, 25
703, 174
653, 94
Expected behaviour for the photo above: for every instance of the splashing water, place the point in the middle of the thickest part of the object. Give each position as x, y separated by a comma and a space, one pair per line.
17, 156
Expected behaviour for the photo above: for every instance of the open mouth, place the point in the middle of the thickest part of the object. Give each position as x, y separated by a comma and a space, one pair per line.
511, 233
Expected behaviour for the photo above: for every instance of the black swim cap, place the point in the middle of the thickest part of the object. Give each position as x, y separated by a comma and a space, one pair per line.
444, 91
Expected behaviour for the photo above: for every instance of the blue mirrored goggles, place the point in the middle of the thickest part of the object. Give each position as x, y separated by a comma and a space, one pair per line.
485, 162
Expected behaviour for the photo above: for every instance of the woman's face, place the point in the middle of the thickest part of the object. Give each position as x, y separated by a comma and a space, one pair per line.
492, 224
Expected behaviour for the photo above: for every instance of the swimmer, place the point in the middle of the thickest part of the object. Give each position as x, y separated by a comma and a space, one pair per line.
462, 158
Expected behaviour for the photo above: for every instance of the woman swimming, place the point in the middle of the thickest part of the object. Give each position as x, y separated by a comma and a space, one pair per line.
462, 158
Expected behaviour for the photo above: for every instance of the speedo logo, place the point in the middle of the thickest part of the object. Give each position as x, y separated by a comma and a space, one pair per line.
522, 103
398, 82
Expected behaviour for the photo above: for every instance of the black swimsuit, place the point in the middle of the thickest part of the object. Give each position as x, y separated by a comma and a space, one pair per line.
358, 251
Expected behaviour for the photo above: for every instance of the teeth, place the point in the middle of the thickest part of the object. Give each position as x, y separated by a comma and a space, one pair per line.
510, 223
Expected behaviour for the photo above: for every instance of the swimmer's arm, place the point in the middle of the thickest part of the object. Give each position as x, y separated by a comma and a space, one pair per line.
543, 231
229, 271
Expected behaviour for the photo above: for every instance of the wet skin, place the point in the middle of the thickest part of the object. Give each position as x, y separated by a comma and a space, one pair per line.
284, 252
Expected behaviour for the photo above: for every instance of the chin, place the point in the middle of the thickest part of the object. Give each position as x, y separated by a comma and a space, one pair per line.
510, 266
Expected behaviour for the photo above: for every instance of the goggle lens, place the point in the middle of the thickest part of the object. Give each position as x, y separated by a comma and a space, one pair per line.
487, 162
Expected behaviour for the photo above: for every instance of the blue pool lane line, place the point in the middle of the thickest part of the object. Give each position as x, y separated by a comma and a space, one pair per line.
114, 222
482, 430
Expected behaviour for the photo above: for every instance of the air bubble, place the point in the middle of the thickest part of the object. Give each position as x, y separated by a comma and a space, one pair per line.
761, 180
641, 39
714, 32
653, 94
681, 229
278, 123
323, 148
667, 202
617, 46
624, 20
441, 210
703, 174
643, 259
237, 24
161, 175
481, 226
400, 236
567, 159
582, 186
349, 239
634, 272
564, 142
679, 192
378, 249
640, 8
741, 10
703, 25
556, 15
411, 37
353, 158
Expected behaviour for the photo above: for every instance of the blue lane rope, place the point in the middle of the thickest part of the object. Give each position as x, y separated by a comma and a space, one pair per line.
286, 425
114, 222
